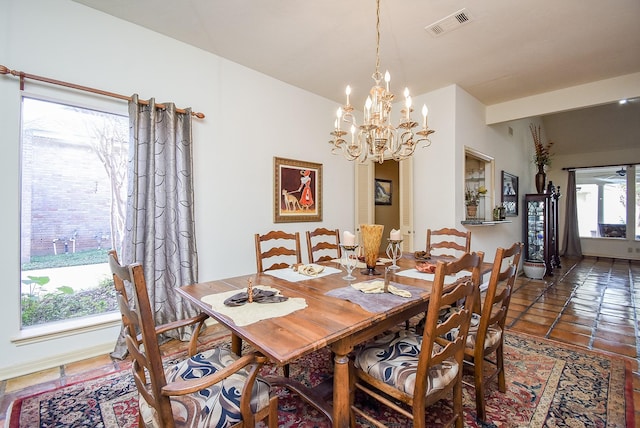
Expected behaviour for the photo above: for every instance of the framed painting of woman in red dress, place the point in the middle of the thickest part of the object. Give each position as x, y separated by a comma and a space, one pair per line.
297, 191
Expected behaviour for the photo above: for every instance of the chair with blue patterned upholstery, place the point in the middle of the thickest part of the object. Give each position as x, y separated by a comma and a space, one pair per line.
212, 388
486, 336
407, 371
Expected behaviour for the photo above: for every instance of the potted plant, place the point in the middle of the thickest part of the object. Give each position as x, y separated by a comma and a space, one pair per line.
472, 200
541, 158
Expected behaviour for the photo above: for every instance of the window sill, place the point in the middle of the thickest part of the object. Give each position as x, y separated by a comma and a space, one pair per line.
483, 222
60, 329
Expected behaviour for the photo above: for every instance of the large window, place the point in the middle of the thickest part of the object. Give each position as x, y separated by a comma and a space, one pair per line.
603, 195
73, 192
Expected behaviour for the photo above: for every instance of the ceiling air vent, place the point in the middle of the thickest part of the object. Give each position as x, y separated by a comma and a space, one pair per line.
449, 23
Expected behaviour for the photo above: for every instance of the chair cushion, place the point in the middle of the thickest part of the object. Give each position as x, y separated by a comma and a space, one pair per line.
393, 359
216, 406
494, 333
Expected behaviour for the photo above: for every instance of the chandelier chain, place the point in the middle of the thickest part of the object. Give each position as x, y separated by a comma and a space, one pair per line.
377, 73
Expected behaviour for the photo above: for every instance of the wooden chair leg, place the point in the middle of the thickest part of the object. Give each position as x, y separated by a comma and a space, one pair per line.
457, 402
273, 413
478, 376
502, 383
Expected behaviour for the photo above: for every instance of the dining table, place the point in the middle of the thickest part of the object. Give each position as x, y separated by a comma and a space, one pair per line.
321, 310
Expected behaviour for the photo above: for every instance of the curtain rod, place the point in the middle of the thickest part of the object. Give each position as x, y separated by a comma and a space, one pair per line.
23, 75
598, 166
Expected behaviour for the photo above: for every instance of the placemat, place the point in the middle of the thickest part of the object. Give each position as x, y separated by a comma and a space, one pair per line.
415, 273
290, 275
253, 312
362, 265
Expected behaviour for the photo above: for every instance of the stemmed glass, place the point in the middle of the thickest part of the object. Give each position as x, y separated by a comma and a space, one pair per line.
349, 260
394, 252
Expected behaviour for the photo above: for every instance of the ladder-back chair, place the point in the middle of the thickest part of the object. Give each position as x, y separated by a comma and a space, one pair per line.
421, 369
448, 241
195, 390
486, 336
280, 248
323, 245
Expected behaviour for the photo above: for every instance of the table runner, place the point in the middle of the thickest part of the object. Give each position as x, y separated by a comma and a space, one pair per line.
290, 275
253, 312
376, 302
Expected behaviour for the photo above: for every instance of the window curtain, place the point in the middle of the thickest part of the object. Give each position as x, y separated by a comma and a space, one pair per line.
159, 221
571, 246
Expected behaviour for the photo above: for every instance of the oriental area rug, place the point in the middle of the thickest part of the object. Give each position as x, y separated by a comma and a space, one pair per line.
548, 385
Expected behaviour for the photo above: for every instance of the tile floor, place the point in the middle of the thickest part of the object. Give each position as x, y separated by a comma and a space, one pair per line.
592, 303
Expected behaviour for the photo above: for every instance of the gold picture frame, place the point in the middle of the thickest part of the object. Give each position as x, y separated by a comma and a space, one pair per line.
297, 191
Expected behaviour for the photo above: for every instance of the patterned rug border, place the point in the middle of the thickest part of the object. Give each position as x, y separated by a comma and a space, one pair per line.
627, 362
14, 410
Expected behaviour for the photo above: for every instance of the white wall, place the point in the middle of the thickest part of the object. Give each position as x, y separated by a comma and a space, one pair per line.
250, 118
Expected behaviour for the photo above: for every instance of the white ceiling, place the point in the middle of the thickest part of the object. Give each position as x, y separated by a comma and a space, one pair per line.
507, 50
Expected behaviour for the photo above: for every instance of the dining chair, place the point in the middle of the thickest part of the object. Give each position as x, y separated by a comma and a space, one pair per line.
418, 370
196, 322
277, 247
486, 334
444, 240
323, 245
212, 388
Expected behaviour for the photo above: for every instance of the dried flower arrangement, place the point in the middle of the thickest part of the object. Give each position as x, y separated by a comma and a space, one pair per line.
543, 152
472, 196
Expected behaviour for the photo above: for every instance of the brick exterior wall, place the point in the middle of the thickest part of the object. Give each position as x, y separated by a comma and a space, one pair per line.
65, 194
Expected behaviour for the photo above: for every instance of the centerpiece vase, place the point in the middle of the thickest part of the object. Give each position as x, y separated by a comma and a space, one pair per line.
541, 178
371, 239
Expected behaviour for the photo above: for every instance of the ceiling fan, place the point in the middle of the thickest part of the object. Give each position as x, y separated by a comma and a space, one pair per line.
615, 176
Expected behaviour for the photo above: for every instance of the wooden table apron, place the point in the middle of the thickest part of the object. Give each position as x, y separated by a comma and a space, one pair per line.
327, 321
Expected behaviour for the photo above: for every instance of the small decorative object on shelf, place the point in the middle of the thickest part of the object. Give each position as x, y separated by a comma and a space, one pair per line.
499, 213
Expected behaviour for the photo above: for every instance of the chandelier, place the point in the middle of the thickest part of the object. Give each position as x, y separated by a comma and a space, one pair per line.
377, 139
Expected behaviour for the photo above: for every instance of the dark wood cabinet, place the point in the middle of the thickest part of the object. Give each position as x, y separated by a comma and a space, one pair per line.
541, 228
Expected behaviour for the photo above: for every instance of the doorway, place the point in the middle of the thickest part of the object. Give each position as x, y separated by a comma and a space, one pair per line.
392, 183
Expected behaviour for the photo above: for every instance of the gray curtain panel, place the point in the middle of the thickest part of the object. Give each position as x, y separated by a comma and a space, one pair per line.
571, 246
159, 225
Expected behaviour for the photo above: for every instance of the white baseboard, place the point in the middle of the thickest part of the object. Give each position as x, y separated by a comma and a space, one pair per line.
56, 361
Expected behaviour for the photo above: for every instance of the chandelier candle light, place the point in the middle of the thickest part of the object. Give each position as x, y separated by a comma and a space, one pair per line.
376, 138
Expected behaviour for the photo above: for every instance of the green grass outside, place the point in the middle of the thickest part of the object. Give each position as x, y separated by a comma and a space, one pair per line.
90, 257
64, 303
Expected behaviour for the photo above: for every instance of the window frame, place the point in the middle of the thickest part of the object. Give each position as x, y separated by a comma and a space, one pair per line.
72, 326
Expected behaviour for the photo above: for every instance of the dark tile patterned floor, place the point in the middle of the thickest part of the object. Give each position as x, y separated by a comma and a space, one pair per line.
593, 303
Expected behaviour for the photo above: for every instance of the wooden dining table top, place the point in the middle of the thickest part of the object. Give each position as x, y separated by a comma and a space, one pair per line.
326, 320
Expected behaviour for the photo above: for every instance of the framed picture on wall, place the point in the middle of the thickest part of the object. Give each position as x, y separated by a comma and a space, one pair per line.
510, 194
297, 191
383, 192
